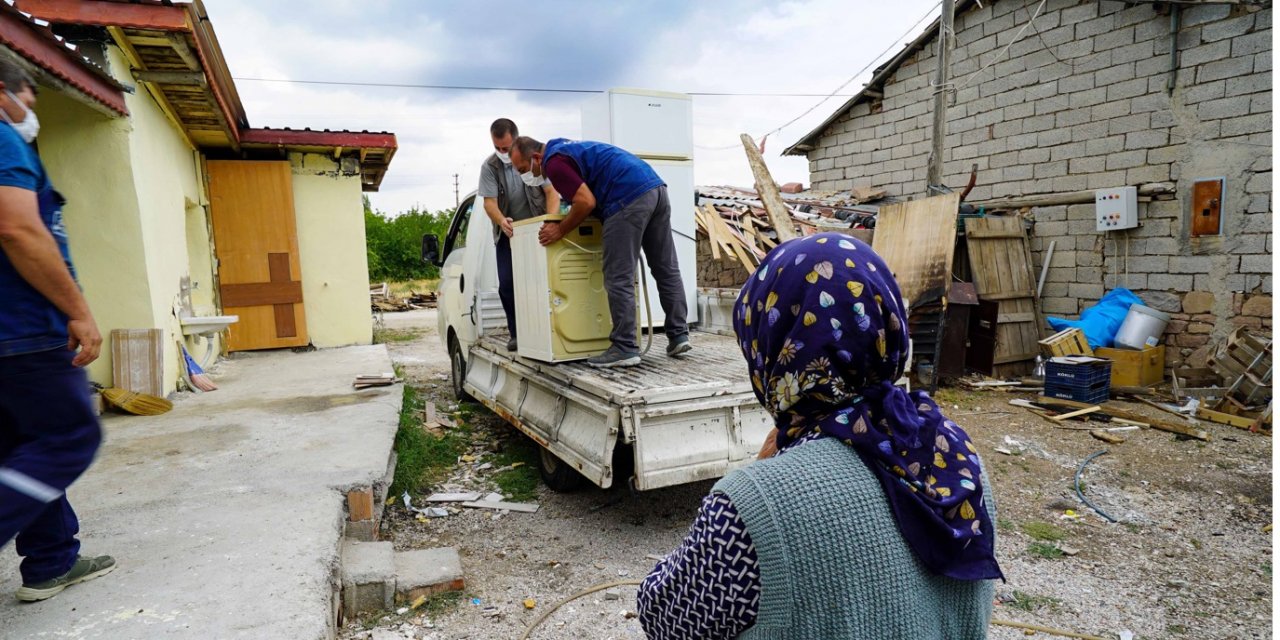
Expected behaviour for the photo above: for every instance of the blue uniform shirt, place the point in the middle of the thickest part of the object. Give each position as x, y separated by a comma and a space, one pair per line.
29, 322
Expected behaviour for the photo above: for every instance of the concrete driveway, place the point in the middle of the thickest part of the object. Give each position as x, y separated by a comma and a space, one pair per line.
226, 514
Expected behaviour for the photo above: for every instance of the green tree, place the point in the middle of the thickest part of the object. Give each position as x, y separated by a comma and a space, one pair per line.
394, 243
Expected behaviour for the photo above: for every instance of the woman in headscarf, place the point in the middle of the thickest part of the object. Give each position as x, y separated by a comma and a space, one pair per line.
870, 518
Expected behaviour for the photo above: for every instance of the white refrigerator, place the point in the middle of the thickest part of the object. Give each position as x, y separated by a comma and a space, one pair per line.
657, 126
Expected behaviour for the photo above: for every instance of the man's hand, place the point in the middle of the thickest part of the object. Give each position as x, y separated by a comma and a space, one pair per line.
84, 334
550, 233
507, 228
770, 446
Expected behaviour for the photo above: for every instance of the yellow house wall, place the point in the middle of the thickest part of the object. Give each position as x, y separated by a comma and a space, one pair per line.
331, 246
87, 157
169, 191
135, 216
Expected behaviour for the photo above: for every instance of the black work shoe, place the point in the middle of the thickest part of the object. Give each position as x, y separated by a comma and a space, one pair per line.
615, 357
511, 344
679, 345
83, 570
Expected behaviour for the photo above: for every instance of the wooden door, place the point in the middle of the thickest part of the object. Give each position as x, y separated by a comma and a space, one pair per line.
256, 241
1000, 259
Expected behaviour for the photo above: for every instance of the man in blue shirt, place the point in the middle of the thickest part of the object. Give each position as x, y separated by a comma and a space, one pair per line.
631, 199
49, 432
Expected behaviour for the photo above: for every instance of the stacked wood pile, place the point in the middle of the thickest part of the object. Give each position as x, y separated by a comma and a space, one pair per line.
382, 300
735, 220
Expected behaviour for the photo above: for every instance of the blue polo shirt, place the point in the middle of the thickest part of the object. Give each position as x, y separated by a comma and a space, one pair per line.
29, 322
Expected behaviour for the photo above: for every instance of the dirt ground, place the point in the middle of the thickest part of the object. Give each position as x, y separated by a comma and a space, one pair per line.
1188, 559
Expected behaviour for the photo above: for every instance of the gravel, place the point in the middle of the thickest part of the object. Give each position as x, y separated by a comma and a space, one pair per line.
1189, 558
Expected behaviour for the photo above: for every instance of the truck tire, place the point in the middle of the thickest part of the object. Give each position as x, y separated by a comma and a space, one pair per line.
557, 475
458, 371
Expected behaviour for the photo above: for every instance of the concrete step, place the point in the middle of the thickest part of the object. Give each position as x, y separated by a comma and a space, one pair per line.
425, 572
368, 577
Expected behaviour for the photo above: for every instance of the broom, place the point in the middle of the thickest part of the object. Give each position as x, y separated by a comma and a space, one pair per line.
139, 404
196, 377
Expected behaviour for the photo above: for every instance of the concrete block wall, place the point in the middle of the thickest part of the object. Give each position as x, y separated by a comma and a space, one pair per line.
1081, 102
717, 273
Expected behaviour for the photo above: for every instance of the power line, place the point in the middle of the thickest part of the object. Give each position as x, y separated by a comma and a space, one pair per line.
846, 83
453, 87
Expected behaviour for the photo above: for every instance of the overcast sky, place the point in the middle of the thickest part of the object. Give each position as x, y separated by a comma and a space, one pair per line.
741, 46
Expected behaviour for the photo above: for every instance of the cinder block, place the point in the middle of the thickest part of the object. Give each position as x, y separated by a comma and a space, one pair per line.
1259, 42
424, 572
1202, 54
368, 577
1126, 159
1230, 107
1229, 68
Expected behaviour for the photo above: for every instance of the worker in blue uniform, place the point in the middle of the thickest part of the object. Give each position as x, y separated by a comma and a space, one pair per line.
49, 432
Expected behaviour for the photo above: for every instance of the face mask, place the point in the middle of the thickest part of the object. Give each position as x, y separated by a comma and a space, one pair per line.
532, 180
504, 157
29, 126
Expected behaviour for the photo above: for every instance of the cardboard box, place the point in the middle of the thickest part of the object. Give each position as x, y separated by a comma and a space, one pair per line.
1131, 368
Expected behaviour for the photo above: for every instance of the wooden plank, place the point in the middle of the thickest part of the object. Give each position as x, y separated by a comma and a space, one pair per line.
261, 293
137, 360
1078, 412
767, 190
917, 239
1224, 418
1016, 317
1008, 295
989, 234
504, 506
1116, 412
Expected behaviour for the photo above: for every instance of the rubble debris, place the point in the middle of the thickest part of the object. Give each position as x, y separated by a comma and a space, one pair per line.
520, 507
468, 496
381, 299
365, 381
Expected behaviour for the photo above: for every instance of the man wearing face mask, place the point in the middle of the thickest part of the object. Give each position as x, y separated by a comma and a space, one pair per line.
508, 198
624, 192
48, 431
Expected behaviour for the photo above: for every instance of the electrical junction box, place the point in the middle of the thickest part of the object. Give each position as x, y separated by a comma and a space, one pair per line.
562, 310
1116, 208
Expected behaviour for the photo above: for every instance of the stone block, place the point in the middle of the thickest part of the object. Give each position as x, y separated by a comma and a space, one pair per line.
1252, 43
1162, 300
1247, 321
1114, 74
425, 572
1220, 69
368, 577
1126, 159
1130, 281
1191, 340
1255, 264
1229, 107
1085, 291
1259, 306
1204, 53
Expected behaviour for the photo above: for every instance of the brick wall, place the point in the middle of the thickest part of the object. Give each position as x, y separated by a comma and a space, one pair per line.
1080, 102
713, 273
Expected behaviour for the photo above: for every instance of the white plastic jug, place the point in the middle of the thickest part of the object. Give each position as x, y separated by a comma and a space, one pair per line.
1143, 326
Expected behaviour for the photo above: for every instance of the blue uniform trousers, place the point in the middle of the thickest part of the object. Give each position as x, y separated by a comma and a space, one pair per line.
49, 434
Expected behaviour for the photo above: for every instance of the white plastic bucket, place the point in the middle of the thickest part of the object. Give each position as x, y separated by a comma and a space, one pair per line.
1143, 326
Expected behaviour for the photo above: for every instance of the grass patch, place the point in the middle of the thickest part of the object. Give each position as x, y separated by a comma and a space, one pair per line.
386, 336
1004, 524
1044, 531
1044, 550
520, 483
1030, 603
422, 458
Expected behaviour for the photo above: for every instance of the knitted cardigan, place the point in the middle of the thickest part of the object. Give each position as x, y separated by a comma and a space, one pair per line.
832, 562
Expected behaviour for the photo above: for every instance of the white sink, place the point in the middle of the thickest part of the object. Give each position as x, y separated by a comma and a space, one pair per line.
206, 325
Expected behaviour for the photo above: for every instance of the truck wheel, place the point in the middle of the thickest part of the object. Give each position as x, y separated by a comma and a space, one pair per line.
556, 474
458, 371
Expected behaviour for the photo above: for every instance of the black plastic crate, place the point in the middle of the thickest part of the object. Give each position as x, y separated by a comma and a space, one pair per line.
1084, 375
1096, 394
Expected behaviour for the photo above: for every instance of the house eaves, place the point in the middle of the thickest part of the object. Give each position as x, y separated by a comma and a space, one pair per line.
58, 62
373, 150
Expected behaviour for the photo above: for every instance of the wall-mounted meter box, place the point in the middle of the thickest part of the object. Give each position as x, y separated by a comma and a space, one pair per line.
562, 310
1116, 208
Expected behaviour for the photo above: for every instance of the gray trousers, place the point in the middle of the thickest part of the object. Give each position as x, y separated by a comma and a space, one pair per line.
643, 224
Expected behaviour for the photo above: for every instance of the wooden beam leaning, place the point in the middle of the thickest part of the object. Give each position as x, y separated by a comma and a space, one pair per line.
767, 189
179, 43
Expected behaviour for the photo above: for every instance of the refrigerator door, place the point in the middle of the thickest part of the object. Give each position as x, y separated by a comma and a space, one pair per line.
650, 124
678, 174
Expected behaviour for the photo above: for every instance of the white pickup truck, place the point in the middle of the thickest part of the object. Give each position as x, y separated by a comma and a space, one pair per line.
665, 422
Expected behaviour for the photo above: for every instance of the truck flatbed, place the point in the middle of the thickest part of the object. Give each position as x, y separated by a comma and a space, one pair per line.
687, 419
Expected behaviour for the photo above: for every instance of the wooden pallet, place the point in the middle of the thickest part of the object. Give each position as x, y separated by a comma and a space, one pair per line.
1068, 342
1244, 362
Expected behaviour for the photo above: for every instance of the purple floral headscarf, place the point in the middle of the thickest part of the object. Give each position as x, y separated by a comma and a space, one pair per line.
823, 329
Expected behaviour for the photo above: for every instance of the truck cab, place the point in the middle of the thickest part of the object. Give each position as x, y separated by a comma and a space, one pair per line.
665, 422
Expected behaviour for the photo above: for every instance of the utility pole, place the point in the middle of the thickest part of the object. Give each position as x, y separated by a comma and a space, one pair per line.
456, 201
941, 87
